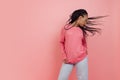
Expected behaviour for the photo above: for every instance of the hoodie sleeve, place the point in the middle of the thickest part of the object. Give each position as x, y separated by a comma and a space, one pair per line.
62, 44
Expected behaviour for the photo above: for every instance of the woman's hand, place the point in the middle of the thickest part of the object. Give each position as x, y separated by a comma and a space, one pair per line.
86, 52
65, 61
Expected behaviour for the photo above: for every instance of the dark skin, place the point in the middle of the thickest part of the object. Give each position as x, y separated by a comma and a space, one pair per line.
80, 21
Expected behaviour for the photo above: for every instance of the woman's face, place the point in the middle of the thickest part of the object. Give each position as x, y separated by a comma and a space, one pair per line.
82, 20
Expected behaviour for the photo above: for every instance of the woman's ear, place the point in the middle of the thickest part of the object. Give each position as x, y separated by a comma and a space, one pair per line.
80, 17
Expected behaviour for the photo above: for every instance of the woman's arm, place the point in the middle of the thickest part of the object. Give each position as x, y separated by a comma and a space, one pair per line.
62, 43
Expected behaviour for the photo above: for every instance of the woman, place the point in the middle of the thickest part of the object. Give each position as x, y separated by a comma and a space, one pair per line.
73, 44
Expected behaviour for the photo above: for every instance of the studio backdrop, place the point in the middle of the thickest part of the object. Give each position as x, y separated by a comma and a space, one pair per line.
30, 33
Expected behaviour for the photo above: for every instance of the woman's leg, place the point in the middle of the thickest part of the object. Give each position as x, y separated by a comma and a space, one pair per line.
82, 69
65, 71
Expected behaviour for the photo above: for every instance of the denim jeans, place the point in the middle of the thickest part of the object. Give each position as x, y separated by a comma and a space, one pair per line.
81, 70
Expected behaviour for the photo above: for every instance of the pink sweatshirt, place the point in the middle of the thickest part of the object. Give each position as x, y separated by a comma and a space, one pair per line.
73, 45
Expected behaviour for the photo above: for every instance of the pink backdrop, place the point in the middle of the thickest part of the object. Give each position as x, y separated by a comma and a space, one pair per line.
29, 39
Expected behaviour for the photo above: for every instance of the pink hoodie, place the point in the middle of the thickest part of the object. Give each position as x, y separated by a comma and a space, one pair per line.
73, 45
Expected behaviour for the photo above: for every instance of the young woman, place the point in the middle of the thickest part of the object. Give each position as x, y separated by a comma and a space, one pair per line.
73, 44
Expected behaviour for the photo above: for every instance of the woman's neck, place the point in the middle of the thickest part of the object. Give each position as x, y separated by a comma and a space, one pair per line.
74, 24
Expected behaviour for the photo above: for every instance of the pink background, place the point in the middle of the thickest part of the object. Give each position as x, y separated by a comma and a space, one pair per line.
29, 39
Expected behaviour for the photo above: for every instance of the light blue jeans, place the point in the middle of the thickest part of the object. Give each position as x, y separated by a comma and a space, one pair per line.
81, 70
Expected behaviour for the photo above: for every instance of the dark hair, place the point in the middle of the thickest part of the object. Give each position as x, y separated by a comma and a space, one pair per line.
81, 12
